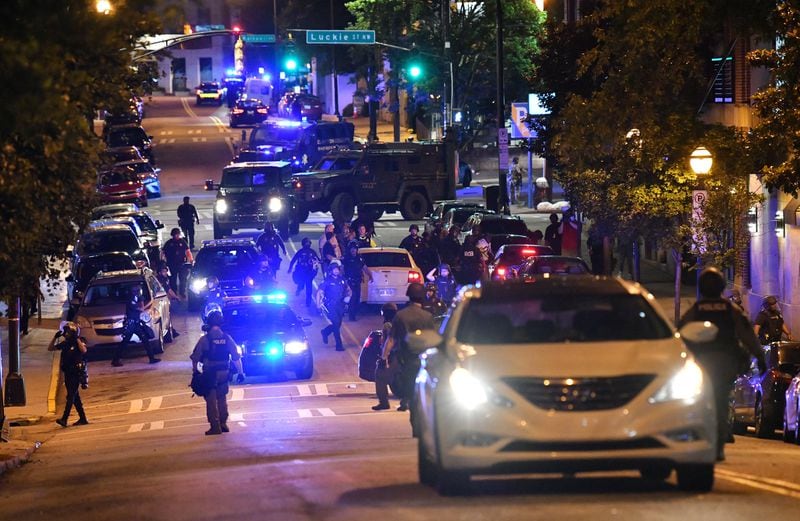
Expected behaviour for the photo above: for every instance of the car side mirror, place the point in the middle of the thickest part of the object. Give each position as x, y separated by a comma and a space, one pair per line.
211, 185
420, 340
159, 225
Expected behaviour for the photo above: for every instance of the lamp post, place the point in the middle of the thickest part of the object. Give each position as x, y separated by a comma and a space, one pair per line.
700, 162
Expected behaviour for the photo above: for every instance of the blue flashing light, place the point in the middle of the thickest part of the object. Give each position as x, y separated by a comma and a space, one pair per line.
266, 77
276, 297
274, 349
288, 123
231, 72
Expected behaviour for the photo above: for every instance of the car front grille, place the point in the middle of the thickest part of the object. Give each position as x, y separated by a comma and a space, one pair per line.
110, 332
580, 394
582, 446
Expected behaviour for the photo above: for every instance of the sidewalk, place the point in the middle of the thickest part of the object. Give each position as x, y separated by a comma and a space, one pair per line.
40, 372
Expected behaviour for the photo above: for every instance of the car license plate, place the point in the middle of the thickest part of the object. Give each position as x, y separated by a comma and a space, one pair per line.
389, 292
307, 107
249, 111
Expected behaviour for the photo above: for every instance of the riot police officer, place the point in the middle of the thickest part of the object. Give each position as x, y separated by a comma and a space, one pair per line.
135, 326
73, 349
270, 244
769, 324
355, 270
331, 297
215, 350
724, 357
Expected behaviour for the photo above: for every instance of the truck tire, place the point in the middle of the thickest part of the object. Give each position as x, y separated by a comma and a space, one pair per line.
220, 232
414, 206
301, 215
343, 207
283, 229
369, 214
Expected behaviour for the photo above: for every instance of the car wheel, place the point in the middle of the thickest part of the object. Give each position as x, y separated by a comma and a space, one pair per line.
220, 231
696, 477
764, 419
452, 482
425, 467
197, 102
168, 337
414, 206
738, 427
657, 473
158, 341
343, 207
369, 214
306, 371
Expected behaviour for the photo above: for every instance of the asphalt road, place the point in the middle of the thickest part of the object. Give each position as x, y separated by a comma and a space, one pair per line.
309, 450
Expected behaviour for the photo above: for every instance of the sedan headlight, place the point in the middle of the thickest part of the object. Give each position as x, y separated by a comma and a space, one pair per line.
685, 385
221, 206
198, 285
468, 391
295, 347
274, 204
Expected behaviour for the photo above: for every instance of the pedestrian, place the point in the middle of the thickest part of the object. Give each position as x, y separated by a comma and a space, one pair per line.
769, 324
176, 253
187, 217
594, 243
412, 242
364, 237
331, 299
355, 272
329, 251
729, 353
536, 237
215, 351
410, 318
307, 261
442, 277
324, 238
552, 234
484, 258
343, 237
427, 257
73, 348
516, 181
162, 275
133, 325
387, 367
471, 268
271, 245
450, 247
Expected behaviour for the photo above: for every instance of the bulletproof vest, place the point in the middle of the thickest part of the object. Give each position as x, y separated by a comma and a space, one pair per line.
217, 347
719, 312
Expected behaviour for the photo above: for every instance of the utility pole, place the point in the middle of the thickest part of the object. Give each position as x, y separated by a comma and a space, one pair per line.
502, 133
446, 52
335, 76
14, 385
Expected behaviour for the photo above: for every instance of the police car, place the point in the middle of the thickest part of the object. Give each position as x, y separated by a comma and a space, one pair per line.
234, 263
269, 334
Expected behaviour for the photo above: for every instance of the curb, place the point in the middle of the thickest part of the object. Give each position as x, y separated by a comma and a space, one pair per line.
17, 461
55, 379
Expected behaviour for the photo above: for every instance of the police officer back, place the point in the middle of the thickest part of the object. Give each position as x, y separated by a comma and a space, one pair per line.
769, 324
726, 356
134, 326
215, 350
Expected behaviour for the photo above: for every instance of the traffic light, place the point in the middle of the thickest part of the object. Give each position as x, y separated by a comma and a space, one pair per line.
414, 65
290, 63
414, 71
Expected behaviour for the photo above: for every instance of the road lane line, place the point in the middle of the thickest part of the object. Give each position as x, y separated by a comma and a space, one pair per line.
189, 111
155, 403
304, 413
326, 412
759, 479
761, 486
304, 390
157, 425
322, 389
136, 427
136, 406
237, 394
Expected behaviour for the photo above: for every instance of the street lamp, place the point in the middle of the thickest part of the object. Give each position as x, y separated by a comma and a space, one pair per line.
700, 161
103, 6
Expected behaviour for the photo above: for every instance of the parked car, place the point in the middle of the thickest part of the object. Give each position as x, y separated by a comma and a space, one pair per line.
98, 212
121, 184
495, 224
101, 314
131, 135
108, 238
148, 175
112, 156
791, 411
439, 213
89, 266
393, 269
511, 257
209, 92
310, 107
151, 230
759, 399
561, 375
250, 111
146, 239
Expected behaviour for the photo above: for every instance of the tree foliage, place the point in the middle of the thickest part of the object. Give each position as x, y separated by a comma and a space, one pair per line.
62, 61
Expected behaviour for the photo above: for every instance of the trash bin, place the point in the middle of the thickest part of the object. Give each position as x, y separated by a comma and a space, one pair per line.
492, 194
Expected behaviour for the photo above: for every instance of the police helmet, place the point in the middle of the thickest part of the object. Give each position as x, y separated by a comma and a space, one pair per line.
711, 283
769, 301
71, 328
306, 242
215, 318
416, 292
444, 266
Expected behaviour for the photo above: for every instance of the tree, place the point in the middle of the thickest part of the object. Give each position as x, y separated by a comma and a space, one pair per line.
66, 61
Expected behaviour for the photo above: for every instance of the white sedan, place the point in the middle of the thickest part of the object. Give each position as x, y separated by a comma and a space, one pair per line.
393, 269
561, 375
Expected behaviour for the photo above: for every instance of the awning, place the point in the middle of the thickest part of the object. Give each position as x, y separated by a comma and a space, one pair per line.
790, 211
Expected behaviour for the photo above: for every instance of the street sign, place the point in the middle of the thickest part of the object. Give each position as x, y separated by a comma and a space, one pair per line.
519, 128
204, 28
352, 37
502, 145
258, 38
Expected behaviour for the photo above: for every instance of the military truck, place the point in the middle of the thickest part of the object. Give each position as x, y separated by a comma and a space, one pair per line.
251, 194
301, 143
377, 178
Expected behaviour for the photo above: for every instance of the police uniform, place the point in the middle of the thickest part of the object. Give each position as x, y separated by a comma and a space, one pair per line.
727, 355
134, 326
73, 365
354, 273
410, 318
334, 290
215, 350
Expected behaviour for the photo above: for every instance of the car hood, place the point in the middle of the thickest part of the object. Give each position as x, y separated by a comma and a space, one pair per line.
109, 311
321, 174
571, 360
246, 193
120, 187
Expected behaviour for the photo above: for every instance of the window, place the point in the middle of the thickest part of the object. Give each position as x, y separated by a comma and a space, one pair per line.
723, 79
206, 70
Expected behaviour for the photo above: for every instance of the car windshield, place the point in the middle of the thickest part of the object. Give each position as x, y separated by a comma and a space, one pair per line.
144, 221
271, 134
274, 318
101, 242
569, 318
118, 177
460, 215
225, 263
337, 163
90, 267
387, 259
557, 265
503, 226
261, 177
103, 294
209, 87
127, 136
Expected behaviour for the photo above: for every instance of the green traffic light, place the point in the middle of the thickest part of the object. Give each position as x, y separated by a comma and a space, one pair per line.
291, 64
415, 71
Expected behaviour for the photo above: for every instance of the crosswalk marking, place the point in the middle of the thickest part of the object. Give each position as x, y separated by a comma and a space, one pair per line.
237, 394
136, 427
304, 390
322, 389
136, 406
155, 404
304, 413
326, 412
156, 425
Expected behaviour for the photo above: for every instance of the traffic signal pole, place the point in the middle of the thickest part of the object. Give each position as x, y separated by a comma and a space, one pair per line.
502, 144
